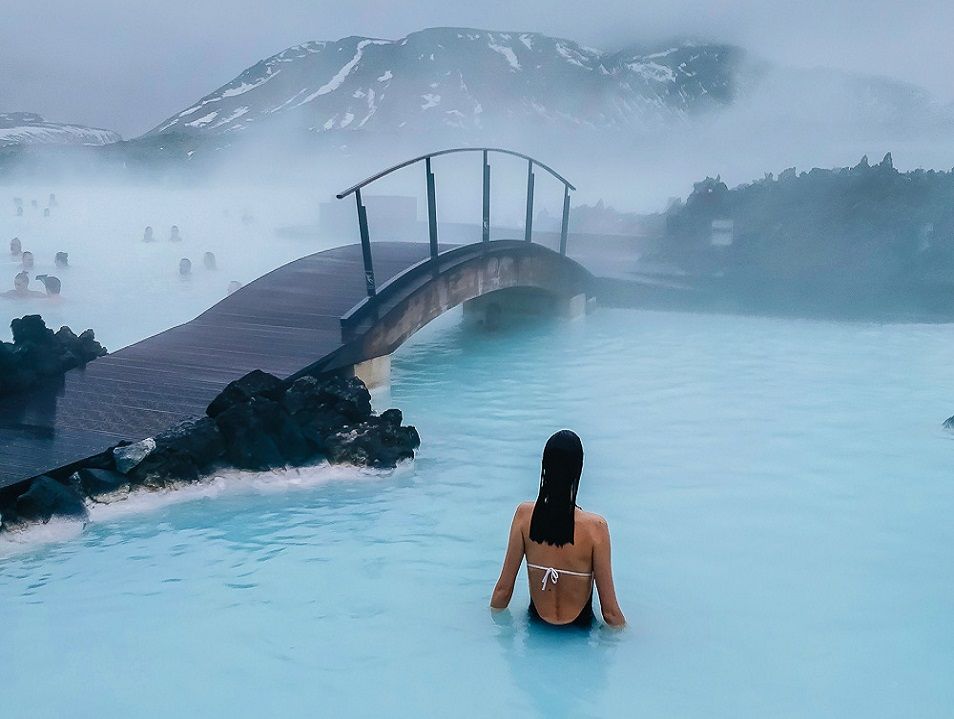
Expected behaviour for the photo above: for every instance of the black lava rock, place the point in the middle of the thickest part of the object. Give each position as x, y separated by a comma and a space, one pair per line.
392, 417
45, 498
302, 396
248, 443
242, 390
378, 443
37, 353
257, 423
283, 430
164, 466
31, 329
348, 396
199, 438
98, 482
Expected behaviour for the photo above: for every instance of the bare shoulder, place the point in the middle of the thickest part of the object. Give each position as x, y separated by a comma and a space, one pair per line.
594, 522
524, 511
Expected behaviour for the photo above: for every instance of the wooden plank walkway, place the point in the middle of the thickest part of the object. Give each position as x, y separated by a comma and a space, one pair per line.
280, 323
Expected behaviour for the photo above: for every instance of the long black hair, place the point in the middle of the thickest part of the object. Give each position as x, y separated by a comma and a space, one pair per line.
552, 521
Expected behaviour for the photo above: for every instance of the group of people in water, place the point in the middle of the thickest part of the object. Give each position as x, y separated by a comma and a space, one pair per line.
18, 205
21, 281
185, 264
149, 235
52, 284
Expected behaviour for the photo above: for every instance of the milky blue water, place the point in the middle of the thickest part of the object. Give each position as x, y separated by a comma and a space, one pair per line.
779, 494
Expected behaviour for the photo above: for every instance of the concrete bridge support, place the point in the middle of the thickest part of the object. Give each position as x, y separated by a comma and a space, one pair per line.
492, 309
375, 372
489, 311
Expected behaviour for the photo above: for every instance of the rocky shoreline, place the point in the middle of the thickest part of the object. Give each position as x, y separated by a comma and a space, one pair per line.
258, 422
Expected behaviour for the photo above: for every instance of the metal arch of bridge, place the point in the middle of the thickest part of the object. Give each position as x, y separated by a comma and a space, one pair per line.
364, 232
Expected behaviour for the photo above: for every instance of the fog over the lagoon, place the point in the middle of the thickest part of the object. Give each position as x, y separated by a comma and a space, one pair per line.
124, 66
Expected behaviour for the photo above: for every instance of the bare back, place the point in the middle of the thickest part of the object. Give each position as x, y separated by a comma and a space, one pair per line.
562, 601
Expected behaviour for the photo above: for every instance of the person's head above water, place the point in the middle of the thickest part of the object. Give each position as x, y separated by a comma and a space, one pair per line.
27, 260
208, 259
62, 259
553, 516
174, 235
51, 283
185, 266
147, 235
21, 282
16, 247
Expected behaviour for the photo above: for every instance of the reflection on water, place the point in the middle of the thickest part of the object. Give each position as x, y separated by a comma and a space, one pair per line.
546, 663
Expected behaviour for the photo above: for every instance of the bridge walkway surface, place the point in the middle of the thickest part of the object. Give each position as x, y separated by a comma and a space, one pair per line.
282, 323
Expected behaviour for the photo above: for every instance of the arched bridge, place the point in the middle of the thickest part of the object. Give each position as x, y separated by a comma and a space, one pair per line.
342, 310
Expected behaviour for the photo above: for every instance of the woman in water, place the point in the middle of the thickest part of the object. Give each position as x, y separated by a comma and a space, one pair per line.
566, 548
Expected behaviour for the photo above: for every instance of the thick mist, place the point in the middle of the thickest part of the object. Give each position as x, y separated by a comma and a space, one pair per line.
257, 202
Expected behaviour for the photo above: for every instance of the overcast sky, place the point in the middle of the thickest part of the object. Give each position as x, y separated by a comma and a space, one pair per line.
126, 65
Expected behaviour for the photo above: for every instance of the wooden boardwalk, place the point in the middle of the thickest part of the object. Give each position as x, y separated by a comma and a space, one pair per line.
280, 323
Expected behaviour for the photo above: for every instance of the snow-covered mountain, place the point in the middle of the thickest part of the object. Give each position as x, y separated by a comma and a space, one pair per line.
27, 128
465, 79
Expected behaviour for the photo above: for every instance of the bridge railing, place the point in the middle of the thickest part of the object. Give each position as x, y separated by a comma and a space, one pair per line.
432, 202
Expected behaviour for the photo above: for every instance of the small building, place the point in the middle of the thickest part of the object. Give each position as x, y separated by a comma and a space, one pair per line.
722, 233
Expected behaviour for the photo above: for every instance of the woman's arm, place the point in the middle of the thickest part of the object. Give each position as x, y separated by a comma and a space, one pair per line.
511, 565
603, 573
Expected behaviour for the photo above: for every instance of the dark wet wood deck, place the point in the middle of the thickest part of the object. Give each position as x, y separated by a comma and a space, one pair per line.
281, 323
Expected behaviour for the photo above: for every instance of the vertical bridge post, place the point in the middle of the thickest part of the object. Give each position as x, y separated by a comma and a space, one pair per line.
486, 216
431, 210
365, 244
528, 224
566, 219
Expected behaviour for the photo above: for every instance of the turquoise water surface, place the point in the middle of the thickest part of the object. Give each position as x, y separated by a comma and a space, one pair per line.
779, 494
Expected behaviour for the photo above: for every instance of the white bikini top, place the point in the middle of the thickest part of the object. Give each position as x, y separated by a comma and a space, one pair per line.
553, 575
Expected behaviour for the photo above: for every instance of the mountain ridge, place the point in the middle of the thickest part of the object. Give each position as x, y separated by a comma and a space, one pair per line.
465, 79
30, 128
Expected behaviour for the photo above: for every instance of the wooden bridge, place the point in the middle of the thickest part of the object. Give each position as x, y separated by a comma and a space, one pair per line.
343, 310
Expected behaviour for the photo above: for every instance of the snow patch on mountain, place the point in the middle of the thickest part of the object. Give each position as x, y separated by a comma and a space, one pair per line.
28, 128
335, 82
507, 53
246, 86
204, 120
